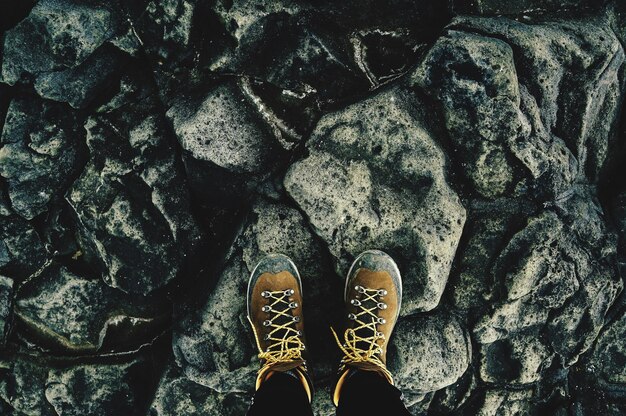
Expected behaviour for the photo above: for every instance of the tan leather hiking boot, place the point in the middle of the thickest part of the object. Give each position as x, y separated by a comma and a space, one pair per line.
275, 313
373, 296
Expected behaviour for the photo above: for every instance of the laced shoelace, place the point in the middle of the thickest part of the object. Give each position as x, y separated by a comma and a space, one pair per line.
285, 341
364, 349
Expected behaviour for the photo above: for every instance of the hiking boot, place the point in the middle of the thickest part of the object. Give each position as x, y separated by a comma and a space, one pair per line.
275, 314
373, 295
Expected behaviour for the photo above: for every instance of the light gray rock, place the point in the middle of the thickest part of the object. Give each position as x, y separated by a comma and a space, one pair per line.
39, 152
60, 34
375, 178
427, 354
224, 129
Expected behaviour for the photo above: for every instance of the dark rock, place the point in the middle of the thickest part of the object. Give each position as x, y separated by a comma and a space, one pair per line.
79, 85
39, 153
603, 368
356, 199
32, 388
21, 250
490, 7
177, 395
60, 34
512, 112
137, 224
75, 314
6, 308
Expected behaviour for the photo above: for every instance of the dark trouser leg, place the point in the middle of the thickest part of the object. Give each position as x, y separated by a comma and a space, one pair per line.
367, 394
280, 395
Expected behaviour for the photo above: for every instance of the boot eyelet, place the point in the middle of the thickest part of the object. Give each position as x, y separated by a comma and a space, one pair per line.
266, 337
265, 294
299, 333
266, 308
381, 305
382, 321
382, 292
296, 319
289, 292
267, 323
359, 288
293, 305
351, 316
355, 302
380, 335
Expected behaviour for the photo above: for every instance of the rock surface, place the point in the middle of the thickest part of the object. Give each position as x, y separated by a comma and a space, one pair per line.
356, 199
153, 151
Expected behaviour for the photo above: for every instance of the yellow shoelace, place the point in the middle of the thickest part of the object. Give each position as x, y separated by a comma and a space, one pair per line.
285, 340
366, 319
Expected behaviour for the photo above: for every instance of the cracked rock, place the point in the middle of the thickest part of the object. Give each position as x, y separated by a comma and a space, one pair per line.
80, 315
6, 308
22, 251
356, 199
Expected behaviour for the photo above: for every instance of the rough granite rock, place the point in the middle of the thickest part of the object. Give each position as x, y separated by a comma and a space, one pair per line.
39, 152
223, 128
356, 199
515, 116
138, 224
604, 367
497, 7
60, 34
76, 314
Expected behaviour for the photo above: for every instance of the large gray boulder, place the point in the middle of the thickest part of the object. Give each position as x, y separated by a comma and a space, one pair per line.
374, 177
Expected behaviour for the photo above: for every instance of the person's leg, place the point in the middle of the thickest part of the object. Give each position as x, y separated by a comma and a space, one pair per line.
274, 299
366, 393
282, 394
373, 297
